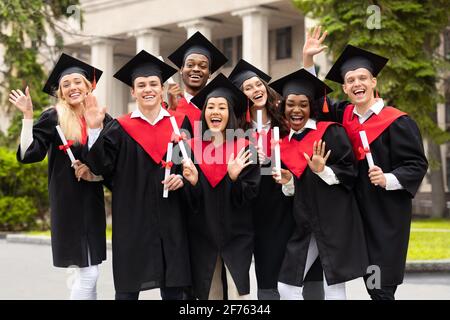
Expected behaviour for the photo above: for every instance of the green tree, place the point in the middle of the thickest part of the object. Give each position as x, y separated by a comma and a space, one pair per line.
408, 32
24, 26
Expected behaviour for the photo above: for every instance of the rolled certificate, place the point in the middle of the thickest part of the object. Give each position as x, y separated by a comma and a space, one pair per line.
181, 142
276, 138
66, 147
259, 127
366, 147
167, 165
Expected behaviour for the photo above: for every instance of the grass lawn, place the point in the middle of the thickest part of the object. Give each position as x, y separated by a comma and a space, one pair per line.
430, 239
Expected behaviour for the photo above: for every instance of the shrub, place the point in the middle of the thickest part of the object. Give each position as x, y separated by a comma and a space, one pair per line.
24, 200
17, 213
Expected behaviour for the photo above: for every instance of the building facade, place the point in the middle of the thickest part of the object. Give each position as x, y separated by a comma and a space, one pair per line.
267, 33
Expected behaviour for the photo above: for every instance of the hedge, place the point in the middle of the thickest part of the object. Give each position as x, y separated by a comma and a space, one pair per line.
24, 203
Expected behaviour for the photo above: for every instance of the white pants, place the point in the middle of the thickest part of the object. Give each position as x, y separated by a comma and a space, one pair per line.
333, 292
85, 285
216, 290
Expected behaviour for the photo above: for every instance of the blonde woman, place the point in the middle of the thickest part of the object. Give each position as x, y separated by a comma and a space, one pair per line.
77, 206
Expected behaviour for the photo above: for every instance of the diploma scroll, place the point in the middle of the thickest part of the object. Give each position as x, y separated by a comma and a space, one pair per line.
259, 127
276, 139
167, 165
366, 147
180, 142
65, 146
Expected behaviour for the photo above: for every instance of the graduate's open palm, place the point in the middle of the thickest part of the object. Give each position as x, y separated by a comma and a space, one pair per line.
22, 101
93, 113
313, 42
318, 160
236, 165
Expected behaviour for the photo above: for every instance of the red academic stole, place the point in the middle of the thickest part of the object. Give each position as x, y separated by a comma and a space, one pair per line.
188, 109
266, 141
153, 139
84, 135
291, 152
213, 161
374, 126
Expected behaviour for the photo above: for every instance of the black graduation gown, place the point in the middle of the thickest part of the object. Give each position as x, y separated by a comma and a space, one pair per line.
221, 225
149, 239
330, 213
273, 226
77, 208
387, 214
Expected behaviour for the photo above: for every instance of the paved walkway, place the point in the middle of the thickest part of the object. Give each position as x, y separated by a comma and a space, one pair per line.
26, 272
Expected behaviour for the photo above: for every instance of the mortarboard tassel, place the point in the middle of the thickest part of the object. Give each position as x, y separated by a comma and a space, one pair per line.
325, 103
94, 82
247, 116
376, 94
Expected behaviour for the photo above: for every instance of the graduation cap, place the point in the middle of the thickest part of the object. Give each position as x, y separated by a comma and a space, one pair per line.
244, 71
302, 82
221, 87
199, 44
353, 58
67, 65
144, 64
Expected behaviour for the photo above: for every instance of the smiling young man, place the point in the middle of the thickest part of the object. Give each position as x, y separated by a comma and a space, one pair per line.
197, 59
384, 191
149, 233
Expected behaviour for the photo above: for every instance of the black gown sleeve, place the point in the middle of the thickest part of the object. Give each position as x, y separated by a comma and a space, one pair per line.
107, 182
193, 195
107, 120
246, 186
43, 136
342, 159
407, 154
102, 157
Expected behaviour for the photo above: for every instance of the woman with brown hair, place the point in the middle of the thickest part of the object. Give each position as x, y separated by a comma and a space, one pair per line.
272, 217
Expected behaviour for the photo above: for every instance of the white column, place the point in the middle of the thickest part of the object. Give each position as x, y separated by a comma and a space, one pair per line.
121, 92
255, 36
203, 25
148, 40
102, 57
